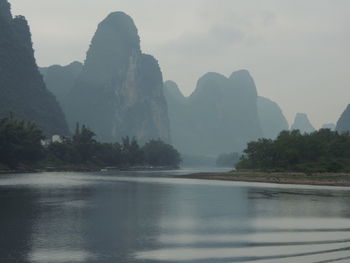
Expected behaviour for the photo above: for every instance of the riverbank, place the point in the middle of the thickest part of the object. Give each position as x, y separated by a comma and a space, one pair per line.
326, 179
88, 169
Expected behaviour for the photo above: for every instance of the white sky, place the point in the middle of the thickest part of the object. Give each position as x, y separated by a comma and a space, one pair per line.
298, 51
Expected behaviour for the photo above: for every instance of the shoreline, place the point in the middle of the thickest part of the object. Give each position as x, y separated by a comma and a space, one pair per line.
89, 169
320, 179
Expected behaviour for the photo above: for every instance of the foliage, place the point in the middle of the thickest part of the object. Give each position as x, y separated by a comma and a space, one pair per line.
158, 153
20, 143
320, 151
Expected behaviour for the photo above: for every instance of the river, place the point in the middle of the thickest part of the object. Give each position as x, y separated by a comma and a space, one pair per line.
117, 217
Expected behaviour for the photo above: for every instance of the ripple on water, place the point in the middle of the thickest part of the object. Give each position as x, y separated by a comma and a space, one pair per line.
291, 239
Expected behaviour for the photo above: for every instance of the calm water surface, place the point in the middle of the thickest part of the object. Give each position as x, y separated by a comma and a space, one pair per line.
113, 217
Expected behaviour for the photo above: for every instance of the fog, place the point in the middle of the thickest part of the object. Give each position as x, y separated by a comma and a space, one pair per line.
297, 51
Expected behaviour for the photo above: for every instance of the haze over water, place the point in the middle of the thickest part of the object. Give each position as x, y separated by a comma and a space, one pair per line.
152, 217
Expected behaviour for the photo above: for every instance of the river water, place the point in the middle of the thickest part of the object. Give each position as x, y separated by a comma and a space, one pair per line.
113, 217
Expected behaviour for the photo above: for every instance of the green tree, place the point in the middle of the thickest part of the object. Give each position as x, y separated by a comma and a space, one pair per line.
158, 153
20, 142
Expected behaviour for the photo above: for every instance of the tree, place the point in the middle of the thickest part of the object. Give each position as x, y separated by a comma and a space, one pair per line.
320, 151
20, 142
158, 153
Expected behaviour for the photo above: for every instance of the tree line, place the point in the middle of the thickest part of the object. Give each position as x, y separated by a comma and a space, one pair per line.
21, 146
320, 151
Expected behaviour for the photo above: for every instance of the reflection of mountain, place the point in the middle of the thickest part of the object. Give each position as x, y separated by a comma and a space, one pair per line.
106, 218
220, 115
18, 208
124, 219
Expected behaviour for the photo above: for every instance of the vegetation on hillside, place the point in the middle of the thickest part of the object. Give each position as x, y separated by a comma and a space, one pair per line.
320, 151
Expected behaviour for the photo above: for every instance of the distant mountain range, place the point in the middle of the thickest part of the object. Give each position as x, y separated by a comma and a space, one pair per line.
119, 91
221, 115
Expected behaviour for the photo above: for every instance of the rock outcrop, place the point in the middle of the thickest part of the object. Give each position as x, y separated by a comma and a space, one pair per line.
220, 115
119, 91
302, 123
343, 124
271, 118
23, 92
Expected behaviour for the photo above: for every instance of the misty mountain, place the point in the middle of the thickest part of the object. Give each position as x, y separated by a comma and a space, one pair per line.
220, 116
23, 92
271, 117
60, 80
343, 124
118, 91
302, 123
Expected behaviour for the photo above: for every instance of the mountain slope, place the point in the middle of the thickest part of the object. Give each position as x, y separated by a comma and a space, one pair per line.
271, 118
23, 92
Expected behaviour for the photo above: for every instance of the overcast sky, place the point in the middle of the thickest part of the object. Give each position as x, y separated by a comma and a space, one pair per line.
297, 51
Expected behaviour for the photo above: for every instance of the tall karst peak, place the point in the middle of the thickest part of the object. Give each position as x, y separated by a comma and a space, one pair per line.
216, 118
119, 29
5, 10
211, 85
120, 90
115, 43
244, 82
23, 92
171, 90
343, 124
302, 123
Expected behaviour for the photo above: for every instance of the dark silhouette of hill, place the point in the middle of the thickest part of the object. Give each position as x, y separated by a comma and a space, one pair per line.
23, 92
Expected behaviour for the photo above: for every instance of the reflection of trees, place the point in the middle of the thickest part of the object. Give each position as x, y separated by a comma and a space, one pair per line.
124, 220
17, 213
58, 229
274, 202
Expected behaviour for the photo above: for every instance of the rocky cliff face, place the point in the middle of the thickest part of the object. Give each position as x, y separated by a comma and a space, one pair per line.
271, 118
23, 92
120, 90
219, 116
343, 124
302, 123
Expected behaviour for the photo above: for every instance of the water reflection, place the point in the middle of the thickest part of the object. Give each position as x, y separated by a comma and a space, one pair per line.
18, 211
136, 217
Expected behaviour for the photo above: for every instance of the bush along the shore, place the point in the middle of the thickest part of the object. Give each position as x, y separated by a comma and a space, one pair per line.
23, 147
20, 144
320, 151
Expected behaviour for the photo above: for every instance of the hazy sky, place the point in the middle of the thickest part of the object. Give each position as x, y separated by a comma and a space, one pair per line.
297, 51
